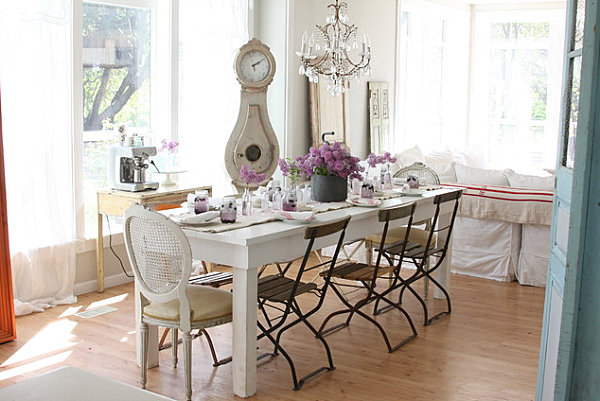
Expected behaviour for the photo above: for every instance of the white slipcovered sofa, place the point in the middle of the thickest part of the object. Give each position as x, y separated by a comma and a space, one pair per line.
502, 231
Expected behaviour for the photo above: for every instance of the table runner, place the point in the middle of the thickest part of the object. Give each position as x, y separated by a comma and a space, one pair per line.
255, 218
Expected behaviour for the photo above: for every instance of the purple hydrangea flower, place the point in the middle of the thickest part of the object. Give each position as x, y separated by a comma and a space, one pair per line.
332, 159
251, 176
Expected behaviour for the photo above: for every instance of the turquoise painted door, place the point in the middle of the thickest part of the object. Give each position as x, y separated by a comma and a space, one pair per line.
569, 367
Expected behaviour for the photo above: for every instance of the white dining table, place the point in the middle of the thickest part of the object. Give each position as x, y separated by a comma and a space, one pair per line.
246, 249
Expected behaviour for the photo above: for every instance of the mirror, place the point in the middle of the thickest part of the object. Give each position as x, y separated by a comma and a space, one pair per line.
327, 114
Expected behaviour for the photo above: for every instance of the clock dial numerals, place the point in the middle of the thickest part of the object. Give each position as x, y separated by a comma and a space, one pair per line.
254, 66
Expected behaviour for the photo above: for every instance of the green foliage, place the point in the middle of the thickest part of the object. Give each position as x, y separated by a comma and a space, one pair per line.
119, 93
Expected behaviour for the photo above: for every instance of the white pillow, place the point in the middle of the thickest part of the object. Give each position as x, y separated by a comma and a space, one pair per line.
443, 156
472, 155
410, 156
530, 181
444, 170
474, 175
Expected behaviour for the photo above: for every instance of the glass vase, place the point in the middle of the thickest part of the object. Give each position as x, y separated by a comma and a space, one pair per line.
246, 203
367, 190
228, 210
386, 178
201, 202
290, 200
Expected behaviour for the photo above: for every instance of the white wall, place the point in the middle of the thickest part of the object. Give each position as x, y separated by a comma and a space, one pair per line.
377, 18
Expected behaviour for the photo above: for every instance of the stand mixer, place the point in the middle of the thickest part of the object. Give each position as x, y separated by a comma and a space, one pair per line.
127, 168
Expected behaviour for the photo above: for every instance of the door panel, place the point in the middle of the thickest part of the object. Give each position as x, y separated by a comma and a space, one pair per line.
570, 369
561, 221
555, 310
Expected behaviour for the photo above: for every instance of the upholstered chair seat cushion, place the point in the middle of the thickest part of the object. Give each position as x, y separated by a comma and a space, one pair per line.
206, 303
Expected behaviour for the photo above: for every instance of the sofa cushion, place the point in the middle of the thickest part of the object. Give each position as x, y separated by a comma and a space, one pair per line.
444, 170
410, 156
530, 181
481, 176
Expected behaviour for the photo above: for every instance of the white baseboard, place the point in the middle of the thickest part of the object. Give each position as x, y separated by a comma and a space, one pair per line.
92, 285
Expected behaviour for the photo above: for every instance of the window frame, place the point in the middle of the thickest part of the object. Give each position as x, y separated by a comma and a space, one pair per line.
449, 15
479, 119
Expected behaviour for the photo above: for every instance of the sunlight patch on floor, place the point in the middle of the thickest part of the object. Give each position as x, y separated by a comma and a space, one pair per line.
36, 365
71, 310
54, 337
108, 301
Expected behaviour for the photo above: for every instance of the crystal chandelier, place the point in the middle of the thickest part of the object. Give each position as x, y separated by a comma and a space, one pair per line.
335, 53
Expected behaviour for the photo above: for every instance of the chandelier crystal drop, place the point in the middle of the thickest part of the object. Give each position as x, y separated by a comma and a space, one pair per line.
335, 52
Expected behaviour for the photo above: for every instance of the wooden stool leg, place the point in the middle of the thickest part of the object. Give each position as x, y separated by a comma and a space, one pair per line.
163, 338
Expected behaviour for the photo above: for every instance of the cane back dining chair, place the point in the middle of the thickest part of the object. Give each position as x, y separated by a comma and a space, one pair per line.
213, 279
366, 275
433, 243
426, 175
161, 260
281, 291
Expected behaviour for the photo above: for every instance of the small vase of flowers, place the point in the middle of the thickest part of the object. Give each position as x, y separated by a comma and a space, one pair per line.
249, 177
167, 156
385, 175
328, 168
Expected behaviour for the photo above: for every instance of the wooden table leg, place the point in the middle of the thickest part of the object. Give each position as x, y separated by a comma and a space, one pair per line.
100, 255
244, 331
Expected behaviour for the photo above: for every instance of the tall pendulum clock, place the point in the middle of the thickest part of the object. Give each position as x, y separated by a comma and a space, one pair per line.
253, 141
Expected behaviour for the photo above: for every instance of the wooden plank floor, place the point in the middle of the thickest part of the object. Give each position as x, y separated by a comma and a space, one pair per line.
486, 350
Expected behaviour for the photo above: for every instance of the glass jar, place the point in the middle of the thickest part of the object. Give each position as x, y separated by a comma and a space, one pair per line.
277, 199
356, 186
228, 210
264, 203
412, 181
201, 202
367, 189
290, 200
386, 178
246, 203
306, 194
273, 188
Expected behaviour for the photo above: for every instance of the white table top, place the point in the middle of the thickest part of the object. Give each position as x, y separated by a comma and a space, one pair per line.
273, 232
74, 384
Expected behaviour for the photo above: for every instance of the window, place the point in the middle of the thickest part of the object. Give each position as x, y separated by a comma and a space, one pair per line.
129, 70
116, 56
516, 100
433, 72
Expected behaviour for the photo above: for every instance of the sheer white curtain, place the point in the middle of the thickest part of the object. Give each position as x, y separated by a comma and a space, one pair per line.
211, 31
36, 81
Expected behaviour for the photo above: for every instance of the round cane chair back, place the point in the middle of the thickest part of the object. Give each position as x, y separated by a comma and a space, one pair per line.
425, 174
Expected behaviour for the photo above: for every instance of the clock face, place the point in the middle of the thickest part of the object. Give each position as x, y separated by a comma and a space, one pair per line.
254, 66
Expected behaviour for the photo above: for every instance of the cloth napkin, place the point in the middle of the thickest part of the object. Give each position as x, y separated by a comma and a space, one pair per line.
366, 202
300, 216
189, 218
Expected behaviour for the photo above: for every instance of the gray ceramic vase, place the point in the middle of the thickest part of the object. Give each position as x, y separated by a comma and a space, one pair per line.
328, 188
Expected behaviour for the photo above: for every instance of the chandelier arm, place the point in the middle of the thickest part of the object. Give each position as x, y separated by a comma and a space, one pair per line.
340, 41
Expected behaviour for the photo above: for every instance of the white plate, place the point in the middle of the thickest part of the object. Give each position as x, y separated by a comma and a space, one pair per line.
362, 202
413, 192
